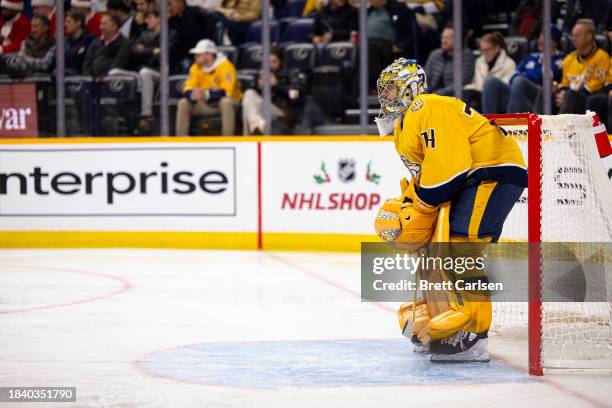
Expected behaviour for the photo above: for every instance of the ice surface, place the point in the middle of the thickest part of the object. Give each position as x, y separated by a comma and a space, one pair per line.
170, 328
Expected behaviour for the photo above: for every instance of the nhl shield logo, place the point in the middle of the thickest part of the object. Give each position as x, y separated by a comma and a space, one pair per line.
346, 170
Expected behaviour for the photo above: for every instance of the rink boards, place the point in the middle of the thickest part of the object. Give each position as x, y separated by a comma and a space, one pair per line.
306, 193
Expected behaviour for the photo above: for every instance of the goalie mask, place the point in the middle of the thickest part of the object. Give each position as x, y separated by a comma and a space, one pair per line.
398, 85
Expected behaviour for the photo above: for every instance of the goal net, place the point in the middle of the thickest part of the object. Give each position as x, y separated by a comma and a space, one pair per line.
567, 207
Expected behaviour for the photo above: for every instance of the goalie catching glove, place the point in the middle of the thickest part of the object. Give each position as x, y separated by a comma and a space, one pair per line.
406, 220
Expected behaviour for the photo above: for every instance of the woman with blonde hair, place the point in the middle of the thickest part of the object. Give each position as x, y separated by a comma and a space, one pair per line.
493, 68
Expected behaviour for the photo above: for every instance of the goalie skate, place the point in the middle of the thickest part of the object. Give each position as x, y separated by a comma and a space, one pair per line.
462, 347
419, 347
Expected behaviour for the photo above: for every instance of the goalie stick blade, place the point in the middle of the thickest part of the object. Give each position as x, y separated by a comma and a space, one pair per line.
478, 353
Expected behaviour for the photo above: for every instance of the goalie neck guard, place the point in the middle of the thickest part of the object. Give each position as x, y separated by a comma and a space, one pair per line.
398, 85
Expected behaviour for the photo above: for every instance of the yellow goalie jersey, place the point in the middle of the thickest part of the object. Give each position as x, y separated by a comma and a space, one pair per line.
451, 144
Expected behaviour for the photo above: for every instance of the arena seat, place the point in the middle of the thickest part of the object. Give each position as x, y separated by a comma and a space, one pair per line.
247, 81
602, 42
249, 57
298, 31
517, 48
300, 56
42, 82
340, 54
254, 32
230, 52
78, 102
326, 84
119, 107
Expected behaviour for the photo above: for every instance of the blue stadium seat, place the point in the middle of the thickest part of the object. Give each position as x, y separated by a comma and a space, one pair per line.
119, 107
300, 56
298, 31
42, 82
254, 32
326, 86
249, 57
175, 86
78, 102
285, 23
602, 42
218, 34
247, 81
517, 48
340, 54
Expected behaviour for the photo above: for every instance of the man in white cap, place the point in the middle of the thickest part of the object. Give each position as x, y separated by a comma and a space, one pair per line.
45, 8
93, 19
212, 88
14, 26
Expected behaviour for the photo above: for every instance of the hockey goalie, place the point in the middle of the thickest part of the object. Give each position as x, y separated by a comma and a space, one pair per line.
464, 165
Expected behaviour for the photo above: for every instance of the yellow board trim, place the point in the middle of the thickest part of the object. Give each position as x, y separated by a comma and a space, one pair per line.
183, 240
128, 239
284, 241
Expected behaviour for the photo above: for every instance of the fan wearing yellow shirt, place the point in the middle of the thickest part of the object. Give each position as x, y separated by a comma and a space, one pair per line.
456, 156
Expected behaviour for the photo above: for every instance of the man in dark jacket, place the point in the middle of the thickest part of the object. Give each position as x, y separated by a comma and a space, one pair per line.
191, 24
37, 51
334, 22
77, 41
112, 50
391, 34
144, 59
439, 65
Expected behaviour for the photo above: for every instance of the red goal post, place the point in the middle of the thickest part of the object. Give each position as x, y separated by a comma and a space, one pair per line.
534, 222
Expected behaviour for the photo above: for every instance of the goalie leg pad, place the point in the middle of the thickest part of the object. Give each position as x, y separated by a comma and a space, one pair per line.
413, 316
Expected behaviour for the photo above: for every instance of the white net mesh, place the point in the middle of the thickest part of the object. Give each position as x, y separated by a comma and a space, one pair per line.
576, 207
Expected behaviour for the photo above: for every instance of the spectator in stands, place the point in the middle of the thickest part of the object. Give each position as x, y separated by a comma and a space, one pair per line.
92, 19
45, 8
122, 11
282, 92
334, 22
584, 70
427, 15
77, 42
14, 26
112, 50
313, 6
390, 35
144, 57
211, 89
493, 70
525, 90
439, 66
191, 24
528, 18
601, 102
37, 52
139, 23
237, 15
